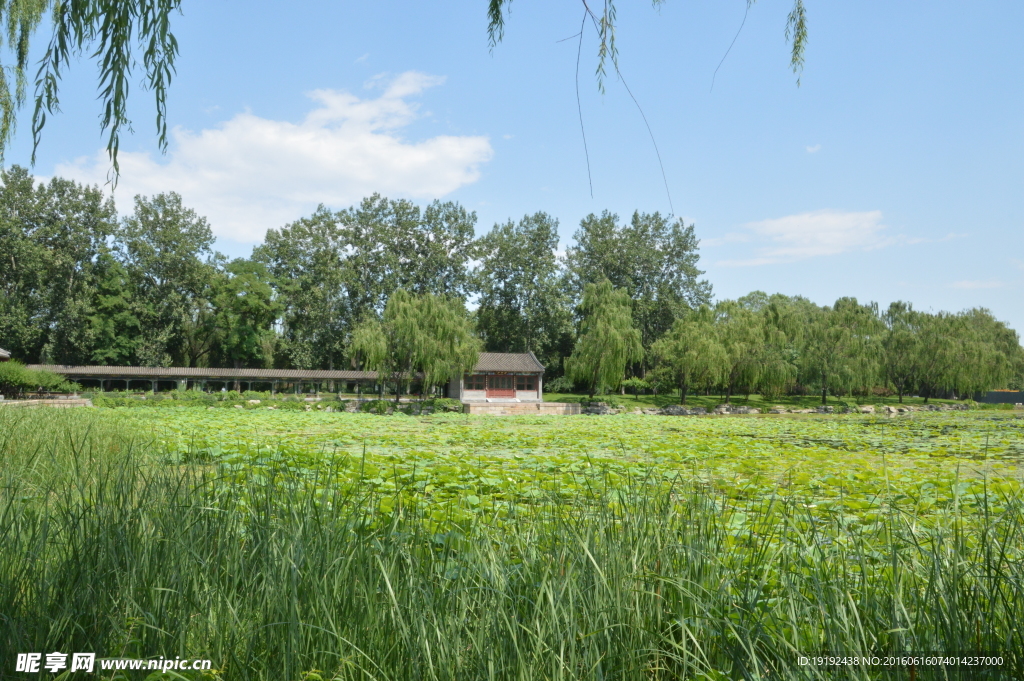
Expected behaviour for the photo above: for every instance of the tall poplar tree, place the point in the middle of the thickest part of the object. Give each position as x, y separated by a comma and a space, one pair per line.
652, 258
523, 305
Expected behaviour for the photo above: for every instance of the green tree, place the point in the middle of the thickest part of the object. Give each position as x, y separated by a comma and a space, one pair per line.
840, 350
392, 244
742, 335
984, 353
425, 334
165, 248
778, 349
522, 305
333, 269
691, 355
607, 342
114, 323
112, 33
245, 310
934, 358
306, 260
901, 347
50, 237
652, 259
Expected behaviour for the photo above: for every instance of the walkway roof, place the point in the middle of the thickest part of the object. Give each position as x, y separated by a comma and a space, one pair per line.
205, 373
524, 362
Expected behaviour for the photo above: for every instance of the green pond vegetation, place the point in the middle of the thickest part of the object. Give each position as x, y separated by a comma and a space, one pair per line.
314, 546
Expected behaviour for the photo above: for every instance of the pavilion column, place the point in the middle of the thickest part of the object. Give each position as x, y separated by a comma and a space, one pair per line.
153, 385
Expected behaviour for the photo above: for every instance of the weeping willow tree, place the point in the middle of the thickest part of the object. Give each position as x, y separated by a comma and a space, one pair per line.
690, 354
427, 335
741, 331
780, 336
966, 353
119, 35
840, 349
608, 341
901, 346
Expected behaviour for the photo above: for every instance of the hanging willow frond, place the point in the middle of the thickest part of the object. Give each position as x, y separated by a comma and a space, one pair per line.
113, 33
604, 21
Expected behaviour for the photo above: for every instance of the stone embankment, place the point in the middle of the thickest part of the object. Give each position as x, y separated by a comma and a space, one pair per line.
603, 408
63, 402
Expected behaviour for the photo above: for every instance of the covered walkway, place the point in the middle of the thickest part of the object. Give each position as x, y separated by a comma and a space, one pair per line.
210, 378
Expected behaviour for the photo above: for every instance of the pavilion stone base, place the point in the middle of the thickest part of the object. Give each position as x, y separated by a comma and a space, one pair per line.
513, 408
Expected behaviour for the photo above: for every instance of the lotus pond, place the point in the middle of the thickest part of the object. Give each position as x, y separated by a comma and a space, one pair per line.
858, 465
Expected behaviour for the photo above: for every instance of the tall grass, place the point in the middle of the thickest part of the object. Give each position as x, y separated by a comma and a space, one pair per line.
287, 578
43, 449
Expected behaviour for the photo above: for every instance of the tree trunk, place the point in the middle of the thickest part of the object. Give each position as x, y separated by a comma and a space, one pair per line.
824, 395
682, 393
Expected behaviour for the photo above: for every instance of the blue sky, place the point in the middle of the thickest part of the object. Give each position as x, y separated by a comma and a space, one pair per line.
895, 171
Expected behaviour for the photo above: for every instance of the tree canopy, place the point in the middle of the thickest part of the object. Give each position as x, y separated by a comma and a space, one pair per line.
386, 284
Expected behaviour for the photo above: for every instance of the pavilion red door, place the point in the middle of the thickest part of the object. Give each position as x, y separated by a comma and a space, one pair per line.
501, 386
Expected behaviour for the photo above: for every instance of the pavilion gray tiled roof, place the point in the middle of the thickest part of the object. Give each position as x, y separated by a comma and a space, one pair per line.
4, 355
525, 362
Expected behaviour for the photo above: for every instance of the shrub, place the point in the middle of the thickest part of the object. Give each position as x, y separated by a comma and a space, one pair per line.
443, 404
562, 384
16, 379
375, 407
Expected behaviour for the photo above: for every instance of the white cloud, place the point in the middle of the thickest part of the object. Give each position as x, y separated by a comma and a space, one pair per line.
975, 285
250, 173
813, 150
811, 235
